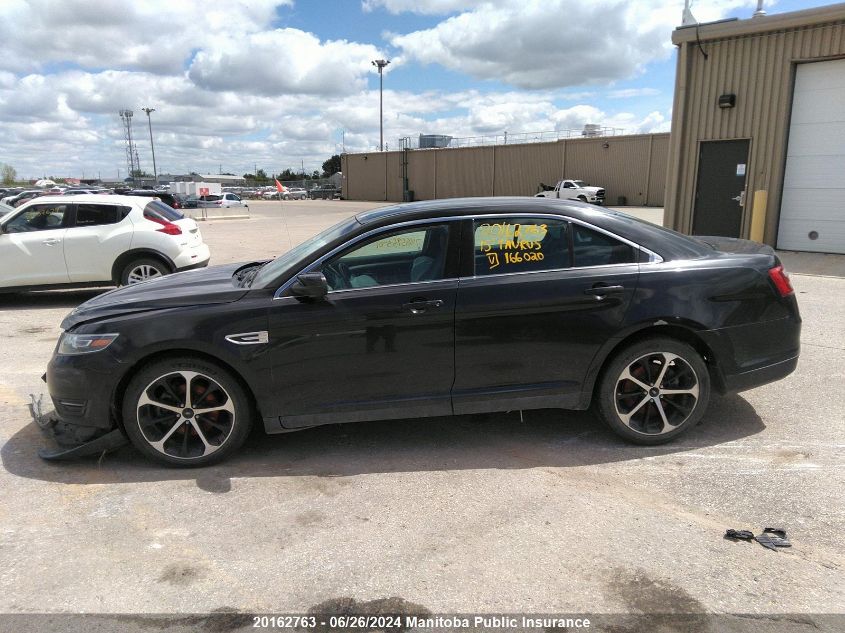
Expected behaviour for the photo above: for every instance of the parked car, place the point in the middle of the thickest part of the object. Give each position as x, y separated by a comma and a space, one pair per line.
190, 202
223, 200
446, 307
325, 192
169, 199
95, 240
295, 193
22, 197
574, 190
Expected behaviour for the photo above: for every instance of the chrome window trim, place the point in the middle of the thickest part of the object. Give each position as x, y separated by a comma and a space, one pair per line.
654, 258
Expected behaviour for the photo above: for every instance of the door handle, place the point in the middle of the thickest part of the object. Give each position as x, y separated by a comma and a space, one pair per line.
600, 291
51, 241
419, 306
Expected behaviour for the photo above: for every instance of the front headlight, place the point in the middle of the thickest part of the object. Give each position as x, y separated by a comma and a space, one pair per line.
71, 344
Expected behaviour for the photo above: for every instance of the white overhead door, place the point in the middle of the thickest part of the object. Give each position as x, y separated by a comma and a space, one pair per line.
812, 213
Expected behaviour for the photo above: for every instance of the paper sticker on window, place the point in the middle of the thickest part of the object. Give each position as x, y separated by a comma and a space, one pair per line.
740, 169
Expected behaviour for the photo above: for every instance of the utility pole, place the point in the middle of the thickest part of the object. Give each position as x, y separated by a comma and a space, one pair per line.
380, 64
152, 145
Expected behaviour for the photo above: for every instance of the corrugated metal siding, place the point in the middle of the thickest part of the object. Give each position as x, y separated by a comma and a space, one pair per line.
465, 172
657, 170
759, 69
421, 174
521, 168
630, 166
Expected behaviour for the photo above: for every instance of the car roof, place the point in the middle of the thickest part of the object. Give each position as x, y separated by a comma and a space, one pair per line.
85, 197
667, 243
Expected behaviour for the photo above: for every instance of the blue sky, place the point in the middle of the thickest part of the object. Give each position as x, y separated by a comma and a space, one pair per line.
277, 83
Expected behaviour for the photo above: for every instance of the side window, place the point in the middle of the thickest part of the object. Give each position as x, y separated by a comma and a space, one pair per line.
39, 217
592, 248
511, 245
98, 214
568, 185
407, 256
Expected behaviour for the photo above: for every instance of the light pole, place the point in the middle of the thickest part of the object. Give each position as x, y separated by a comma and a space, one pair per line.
152, 146
380, 64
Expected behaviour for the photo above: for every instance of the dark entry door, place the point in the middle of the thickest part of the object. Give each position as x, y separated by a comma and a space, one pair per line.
719, 190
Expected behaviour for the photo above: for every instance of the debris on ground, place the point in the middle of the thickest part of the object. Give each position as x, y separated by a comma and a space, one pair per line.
771, 538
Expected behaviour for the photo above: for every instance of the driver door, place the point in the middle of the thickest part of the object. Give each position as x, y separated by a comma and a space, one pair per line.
381, 344
32, 247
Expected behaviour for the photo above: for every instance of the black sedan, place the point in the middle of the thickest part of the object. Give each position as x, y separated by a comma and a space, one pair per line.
430, 309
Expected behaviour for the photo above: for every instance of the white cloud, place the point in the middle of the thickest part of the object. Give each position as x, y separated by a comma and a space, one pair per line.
423, 7
153, 35
283, 61
551, 43
628, 93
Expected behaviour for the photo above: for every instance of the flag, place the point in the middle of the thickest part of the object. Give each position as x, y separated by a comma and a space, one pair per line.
279, 186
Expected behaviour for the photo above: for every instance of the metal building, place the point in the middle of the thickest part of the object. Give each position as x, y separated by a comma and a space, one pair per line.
757, 145
632, 169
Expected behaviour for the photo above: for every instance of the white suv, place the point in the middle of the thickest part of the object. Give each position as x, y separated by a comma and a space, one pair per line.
95, 240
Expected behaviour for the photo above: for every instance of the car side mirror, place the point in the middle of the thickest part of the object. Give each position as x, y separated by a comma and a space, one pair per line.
310, 286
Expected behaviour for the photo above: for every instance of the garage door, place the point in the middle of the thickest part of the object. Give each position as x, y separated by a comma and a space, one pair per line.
812, 216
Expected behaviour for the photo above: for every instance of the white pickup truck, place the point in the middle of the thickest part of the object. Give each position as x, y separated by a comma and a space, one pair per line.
573, 190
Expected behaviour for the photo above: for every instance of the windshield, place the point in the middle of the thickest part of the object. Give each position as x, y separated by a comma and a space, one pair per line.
284, 263
580, 183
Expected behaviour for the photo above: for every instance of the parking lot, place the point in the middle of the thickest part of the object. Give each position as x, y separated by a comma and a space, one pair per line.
481, 513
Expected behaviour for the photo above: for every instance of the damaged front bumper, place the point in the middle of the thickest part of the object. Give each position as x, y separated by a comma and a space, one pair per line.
70, 441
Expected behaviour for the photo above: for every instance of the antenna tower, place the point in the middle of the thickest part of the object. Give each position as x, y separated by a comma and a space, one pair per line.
132, 163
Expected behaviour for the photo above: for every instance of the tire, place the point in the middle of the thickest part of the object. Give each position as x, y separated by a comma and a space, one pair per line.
175, 435
143, 269
582, 198
633, 405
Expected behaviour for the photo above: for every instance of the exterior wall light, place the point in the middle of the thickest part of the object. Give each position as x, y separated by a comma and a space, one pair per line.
727, 101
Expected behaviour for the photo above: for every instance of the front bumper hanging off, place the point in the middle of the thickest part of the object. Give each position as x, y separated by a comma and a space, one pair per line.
71, 441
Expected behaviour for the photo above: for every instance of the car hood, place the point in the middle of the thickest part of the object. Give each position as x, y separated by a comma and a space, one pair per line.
203, 286
592, 189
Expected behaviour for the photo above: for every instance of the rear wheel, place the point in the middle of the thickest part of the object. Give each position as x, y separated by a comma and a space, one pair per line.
186, 412
653, 391
143, 269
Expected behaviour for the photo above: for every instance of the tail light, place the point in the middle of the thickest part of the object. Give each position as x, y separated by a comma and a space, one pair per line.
219, 203
168, 228
781, 281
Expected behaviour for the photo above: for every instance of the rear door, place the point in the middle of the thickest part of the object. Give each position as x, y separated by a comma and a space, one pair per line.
97, 235
544, 294
32, 246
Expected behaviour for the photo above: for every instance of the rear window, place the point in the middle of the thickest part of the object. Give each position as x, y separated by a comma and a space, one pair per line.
592, 248
158, 210
98, 214
211, 198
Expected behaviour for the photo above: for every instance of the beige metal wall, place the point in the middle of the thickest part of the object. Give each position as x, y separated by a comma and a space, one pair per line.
630, 166
759, 68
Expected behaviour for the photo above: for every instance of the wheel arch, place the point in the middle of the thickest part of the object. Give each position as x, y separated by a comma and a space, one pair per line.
136, 253
685, 332
154, 357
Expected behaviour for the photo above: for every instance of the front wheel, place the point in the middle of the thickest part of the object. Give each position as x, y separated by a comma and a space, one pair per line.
653, 391
186, 412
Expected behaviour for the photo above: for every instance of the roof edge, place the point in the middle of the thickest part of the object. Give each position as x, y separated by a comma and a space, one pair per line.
750, 26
